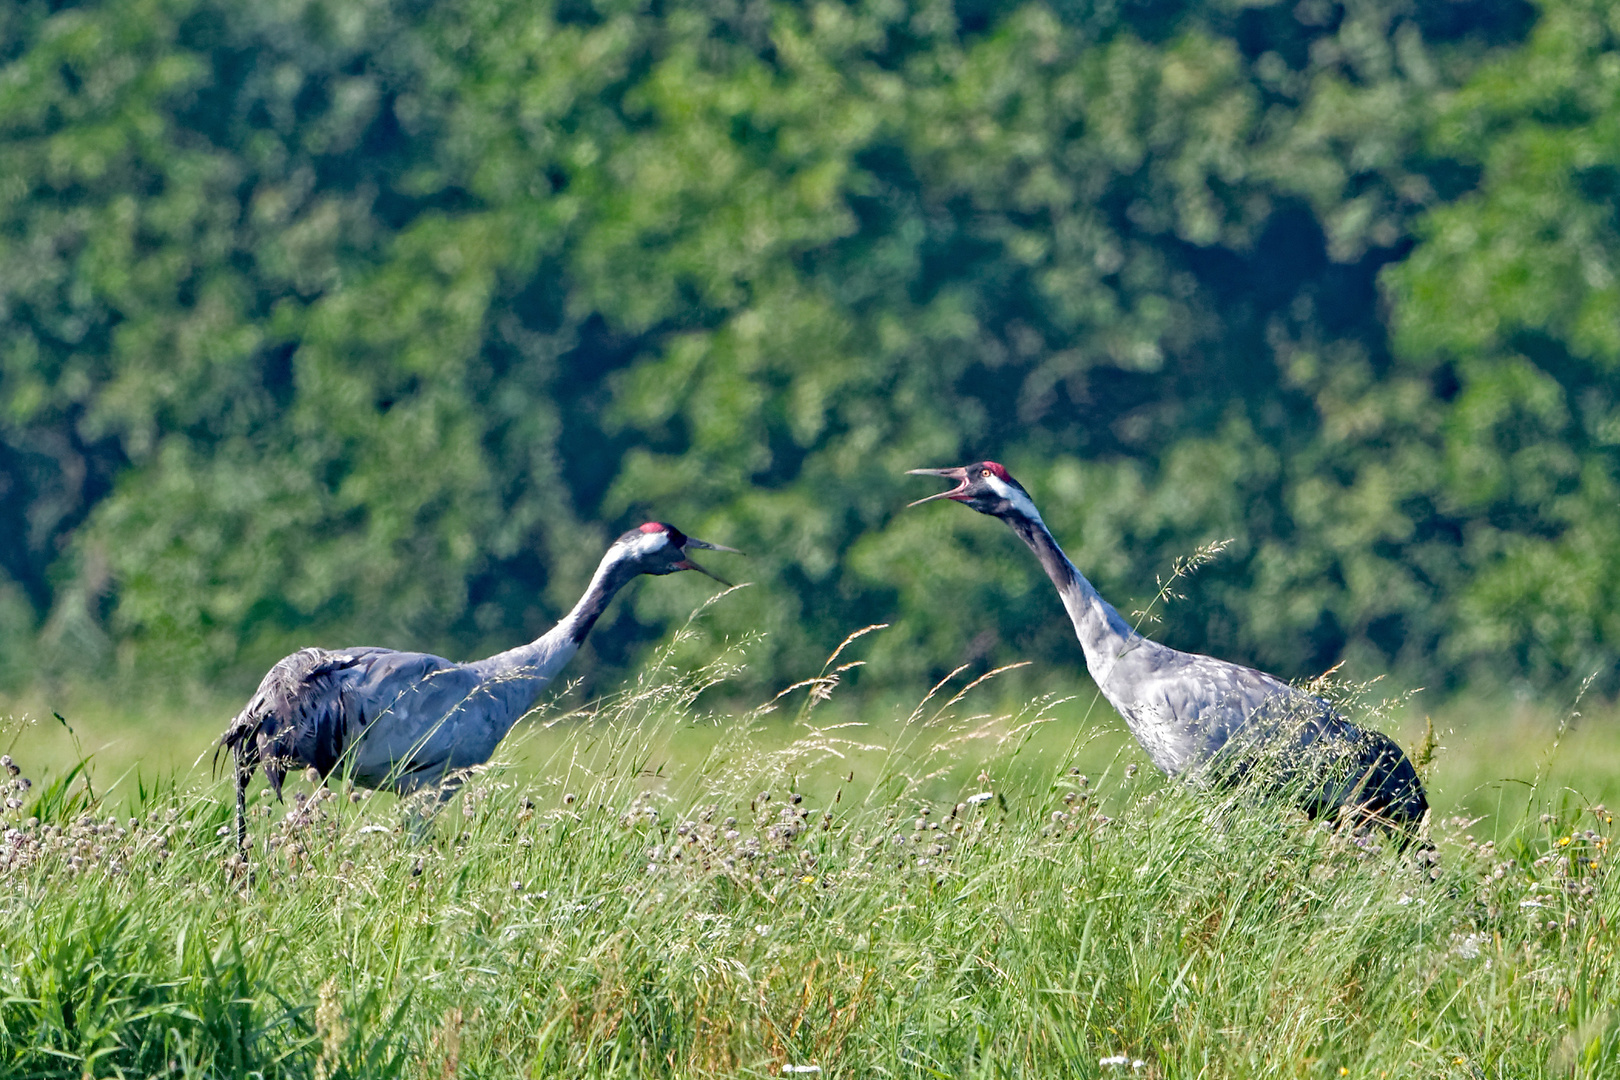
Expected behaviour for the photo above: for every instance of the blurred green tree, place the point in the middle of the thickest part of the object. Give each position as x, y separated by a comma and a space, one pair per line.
1509, 305
336, 321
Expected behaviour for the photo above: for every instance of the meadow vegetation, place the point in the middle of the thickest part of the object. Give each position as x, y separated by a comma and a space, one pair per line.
949, 894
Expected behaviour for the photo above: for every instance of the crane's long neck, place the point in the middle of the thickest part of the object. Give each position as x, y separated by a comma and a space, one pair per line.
1103, 632
516, 677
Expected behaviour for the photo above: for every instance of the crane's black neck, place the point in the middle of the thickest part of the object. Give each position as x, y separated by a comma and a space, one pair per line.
1056, 564
610, 577
523, 671
513, 679
1103, 632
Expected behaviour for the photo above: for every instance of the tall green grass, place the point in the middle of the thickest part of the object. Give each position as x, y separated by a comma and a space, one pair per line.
927, 898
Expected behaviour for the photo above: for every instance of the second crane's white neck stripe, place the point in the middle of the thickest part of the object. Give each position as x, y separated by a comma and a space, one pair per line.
1020, 501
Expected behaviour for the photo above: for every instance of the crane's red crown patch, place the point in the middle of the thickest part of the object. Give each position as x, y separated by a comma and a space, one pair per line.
996, 468
660, 528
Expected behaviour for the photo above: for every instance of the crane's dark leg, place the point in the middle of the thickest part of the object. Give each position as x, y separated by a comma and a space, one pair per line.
243, 775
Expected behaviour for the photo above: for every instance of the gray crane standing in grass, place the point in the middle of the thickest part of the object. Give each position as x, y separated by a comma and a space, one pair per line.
402, 721
1201, 716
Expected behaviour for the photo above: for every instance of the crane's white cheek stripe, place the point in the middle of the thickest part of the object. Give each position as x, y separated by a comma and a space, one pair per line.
1019, 500
642, 545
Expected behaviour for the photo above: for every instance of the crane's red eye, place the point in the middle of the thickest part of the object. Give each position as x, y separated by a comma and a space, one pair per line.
984, 472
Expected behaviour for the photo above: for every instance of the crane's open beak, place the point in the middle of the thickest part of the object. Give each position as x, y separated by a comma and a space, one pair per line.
688, 564
958, 474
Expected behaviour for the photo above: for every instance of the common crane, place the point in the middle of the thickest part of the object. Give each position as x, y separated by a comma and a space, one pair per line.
1195, 714
402, 721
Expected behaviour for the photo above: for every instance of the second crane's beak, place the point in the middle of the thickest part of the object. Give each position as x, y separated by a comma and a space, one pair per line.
958, 474
688, 564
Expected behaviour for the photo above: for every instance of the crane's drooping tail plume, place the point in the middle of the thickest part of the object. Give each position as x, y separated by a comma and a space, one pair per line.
402, 720
1198, 715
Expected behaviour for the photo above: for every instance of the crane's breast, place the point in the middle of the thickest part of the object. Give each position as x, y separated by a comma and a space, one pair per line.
1183, 707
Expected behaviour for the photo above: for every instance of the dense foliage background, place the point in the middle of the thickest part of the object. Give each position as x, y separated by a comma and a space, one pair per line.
343, 320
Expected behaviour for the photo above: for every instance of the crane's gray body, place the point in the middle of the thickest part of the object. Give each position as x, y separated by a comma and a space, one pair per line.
394, 720
405, 720
1194, 714
1205, 718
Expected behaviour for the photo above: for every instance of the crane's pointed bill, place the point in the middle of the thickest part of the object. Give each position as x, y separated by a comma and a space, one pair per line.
688, 564
692, 541
958, 474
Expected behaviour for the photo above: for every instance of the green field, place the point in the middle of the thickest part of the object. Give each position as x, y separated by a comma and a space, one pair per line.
1490, 751
953, 890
